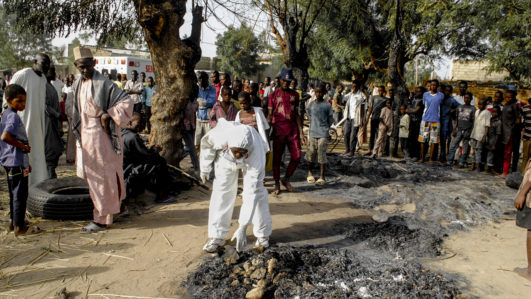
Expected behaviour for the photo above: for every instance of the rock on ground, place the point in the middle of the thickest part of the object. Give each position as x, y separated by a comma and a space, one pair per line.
514, 180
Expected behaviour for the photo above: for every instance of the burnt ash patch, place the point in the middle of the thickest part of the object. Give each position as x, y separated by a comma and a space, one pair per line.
309, 272
382, 171
396, 239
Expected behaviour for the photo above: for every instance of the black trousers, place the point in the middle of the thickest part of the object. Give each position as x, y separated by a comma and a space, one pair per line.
17, 184
152, 175
51, 165
375, 123
414, 145
350, 133
147, 110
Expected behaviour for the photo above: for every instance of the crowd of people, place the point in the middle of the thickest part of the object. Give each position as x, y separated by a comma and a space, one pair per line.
238, 126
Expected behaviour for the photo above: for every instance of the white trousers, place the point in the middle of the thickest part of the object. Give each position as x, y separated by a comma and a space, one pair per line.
255, 207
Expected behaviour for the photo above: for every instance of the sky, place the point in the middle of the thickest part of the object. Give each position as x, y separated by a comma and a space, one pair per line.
214, 26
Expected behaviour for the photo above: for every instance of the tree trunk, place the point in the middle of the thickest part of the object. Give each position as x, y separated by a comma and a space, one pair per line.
299, 62
174, 60
396, 62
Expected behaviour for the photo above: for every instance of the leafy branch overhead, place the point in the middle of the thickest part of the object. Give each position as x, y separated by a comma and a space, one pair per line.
107, 19
238, 49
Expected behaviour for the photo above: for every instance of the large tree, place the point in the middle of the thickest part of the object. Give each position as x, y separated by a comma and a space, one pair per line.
19, 46
238, 49
506, 34
382, 36
292, 23
174, 58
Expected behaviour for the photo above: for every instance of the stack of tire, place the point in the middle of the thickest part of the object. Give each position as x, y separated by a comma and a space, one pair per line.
60, 199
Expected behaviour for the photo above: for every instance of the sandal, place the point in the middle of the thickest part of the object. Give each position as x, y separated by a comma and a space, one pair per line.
92, 228
287, 185
276, 191
310, 179
320, 182
26, 229
11, 226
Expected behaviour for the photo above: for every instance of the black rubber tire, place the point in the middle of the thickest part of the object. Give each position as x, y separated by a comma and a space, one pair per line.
45, 203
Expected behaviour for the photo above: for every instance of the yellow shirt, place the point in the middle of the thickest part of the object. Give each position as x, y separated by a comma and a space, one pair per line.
236, 103
119, 84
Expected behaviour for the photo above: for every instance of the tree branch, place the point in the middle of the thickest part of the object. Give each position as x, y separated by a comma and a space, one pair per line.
306, 31
281, 41
197, 20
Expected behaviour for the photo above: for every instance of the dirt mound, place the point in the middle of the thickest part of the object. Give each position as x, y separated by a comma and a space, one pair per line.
307, 272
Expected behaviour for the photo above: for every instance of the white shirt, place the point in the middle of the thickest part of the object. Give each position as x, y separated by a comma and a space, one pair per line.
267, 91
461, 99
481, 121
134, 86
69, 92
354, 106
404, 126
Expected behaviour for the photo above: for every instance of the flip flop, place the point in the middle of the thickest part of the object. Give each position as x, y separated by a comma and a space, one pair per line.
92, 228
320, 182
310, 179
169, 199
287, 185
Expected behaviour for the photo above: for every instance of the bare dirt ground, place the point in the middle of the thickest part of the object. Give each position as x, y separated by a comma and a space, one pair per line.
151, 254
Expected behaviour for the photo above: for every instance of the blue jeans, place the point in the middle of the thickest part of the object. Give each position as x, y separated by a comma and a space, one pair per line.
17, 183
461, 135
188, 137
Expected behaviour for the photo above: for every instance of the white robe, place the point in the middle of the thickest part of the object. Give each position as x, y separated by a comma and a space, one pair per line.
33, 119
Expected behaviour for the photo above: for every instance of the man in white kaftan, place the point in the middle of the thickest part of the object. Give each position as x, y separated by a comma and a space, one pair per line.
34, 82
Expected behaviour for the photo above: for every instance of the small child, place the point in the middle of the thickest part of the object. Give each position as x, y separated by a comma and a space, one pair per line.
478, 137
462, 131
321, 118
252, 116
225, 108
494, 133
403, 132
384, 130
14, 157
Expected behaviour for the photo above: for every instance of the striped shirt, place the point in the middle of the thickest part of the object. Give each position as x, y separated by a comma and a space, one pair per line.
526, 117
218, 112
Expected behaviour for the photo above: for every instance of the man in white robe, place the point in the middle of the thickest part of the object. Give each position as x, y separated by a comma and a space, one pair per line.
34, 82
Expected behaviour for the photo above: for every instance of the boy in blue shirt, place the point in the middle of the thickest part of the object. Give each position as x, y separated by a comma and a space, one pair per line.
430, 125
321, 118
14, 157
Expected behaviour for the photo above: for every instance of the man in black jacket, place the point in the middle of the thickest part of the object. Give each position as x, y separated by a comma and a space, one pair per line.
143, 167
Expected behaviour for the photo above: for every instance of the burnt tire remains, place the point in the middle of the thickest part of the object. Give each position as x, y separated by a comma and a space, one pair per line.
61, 199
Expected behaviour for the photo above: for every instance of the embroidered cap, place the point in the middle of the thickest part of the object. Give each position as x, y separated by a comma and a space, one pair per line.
82, 52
